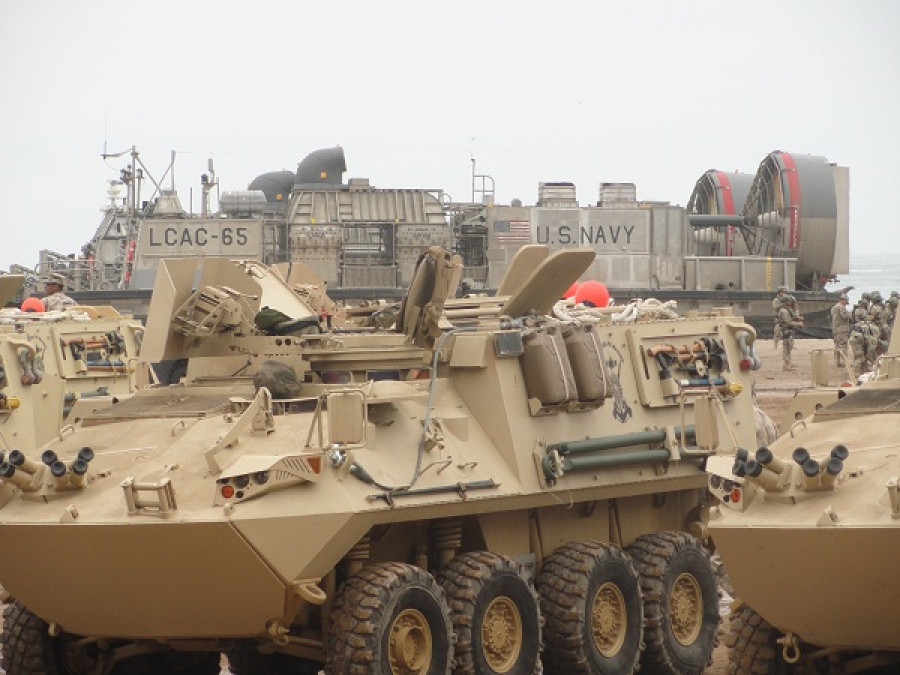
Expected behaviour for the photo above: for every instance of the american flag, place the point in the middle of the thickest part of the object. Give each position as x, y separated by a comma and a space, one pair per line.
516, 232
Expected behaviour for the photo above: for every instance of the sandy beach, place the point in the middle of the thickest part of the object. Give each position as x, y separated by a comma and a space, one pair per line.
775, 387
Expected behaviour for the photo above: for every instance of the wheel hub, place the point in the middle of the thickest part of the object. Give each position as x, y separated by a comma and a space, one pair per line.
501, 634
609, 619
409, 648
686, 609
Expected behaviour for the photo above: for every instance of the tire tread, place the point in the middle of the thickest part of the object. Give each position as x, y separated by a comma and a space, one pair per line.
460, 580
25, 642
652, 553
352, 640
564, 579
752, 646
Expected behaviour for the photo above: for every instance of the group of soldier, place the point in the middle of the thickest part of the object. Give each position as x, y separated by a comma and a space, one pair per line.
861, 333
865, 330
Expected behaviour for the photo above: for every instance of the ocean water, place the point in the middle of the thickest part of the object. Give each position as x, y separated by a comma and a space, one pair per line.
871, 272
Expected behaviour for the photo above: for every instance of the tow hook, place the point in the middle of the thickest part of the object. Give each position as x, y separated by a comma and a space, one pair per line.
277, 632
791, 649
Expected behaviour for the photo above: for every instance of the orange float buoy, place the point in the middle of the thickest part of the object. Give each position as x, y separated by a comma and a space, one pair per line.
571, 291
592, 294
32, 304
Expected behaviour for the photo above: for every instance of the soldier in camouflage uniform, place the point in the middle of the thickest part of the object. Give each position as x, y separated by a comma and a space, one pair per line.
864, 339
780, 294
840, 328
789, 321
861, 310
876, 304
875, 316
55, 299
888, 316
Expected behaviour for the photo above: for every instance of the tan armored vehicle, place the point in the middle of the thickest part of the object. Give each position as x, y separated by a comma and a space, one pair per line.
56, 367
809, 531
483, 489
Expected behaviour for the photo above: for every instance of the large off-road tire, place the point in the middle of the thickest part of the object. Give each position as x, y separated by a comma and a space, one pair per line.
244, 659
681, 612
495, 614
591, 600
25, 645
751, 641
390, 619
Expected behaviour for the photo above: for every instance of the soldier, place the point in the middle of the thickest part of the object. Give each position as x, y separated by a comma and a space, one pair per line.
55, 299
864, 339
876, 316
876, 304
889, 315
840, 328
777, 301
861, 310
790, 321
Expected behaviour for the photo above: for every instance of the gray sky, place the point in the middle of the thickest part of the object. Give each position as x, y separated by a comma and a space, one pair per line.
653, 93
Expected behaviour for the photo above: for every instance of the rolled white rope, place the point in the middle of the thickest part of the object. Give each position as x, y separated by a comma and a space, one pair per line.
636, 310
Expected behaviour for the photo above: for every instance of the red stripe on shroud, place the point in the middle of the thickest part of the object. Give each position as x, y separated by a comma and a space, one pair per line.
728, 208
793, 200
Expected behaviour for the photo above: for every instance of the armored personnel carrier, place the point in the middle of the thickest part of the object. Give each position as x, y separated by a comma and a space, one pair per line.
483, 489
809, 530
57, 366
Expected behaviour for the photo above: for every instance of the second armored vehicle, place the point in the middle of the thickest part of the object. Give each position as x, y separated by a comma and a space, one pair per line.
57, 366
809, 531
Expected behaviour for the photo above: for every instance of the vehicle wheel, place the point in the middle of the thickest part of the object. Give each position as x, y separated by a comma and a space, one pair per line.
495, 615
25, 645
390, 619
751, 641
680, 602
593, 612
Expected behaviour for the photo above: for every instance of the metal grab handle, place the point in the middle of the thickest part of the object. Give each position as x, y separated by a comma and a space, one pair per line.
794, 426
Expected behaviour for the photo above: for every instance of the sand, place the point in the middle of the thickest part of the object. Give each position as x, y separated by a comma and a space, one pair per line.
775, 387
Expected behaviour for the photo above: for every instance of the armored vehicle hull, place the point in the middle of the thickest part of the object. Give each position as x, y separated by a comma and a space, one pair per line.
475, 472
810, 541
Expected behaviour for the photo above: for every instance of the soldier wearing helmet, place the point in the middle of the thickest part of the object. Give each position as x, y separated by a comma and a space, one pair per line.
889, 315
861, 310
840, 328
780, 295
789, 320
864, 342
877, 303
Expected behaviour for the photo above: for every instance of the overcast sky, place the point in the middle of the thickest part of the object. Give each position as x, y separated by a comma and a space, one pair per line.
653, 93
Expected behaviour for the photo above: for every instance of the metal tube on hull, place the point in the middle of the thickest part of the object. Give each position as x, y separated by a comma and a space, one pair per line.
614, 459
614, 442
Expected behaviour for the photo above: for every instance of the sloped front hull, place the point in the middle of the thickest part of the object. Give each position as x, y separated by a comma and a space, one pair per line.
153, 580
831, 586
